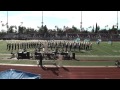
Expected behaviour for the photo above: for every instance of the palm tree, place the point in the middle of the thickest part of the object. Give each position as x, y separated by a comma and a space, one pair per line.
2, 25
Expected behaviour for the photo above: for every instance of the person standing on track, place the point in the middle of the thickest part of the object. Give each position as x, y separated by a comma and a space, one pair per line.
40, 59
117, 63
60, 58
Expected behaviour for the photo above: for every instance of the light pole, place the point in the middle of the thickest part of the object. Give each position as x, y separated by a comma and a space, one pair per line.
117, 22
7, 21
81, 22
1, 25
42, 19
56, 30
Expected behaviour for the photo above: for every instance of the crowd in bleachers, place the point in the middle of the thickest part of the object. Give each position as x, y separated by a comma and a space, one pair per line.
68, 36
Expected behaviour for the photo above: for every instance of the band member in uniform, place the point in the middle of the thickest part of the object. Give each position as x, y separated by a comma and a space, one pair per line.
7, 45
70, 46
79, 46
66, 46
18, 46
12, 46
74, 46
15, 46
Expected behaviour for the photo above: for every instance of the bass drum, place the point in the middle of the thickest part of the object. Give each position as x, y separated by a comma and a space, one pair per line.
19, 55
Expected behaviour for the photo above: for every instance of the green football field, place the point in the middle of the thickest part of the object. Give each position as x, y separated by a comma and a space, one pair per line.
103, 51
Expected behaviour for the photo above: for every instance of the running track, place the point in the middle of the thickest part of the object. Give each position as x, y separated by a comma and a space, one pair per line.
55, 72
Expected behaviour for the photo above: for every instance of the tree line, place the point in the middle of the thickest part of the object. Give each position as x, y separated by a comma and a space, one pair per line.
45, 30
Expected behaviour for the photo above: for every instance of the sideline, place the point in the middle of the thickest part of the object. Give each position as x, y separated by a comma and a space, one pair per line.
51, 65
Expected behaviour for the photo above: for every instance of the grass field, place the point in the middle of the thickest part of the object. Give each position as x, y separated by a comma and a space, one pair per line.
102, 52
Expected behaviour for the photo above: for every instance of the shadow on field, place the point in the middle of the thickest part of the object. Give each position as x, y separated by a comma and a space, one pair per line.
65, 69
76, 59
55, 70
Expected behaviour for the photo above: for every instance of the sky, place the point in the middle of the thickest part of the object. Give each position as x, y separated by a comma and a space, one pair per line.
33, 19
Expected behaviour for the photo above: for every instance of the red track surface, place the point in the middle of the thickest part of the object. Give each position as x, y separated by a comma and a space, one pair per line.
70, 72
